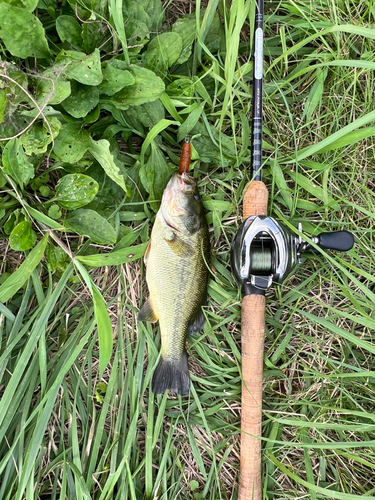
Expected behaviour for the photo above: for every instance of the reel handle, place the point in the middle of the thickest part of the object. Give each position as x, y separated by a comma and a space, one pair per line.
342, 241
252, 348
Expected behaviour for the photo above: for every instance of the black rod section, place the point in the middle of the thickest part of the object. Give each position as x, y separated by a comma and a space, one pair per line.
256, 136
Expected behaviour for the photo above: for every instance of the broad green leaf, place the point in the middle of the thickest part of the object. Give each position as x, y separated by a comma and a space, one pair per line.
154, 175
103, 321
82, 100
186, 27
29, 5
115, 79
149, 113
23, 237
52, 85
101, 153
154, 9
36, 139
23, 273
163, 51
22, 33
86, 222
69, 30
75, 191
57, 258
71, 143
87, 70
114, 258
147, 87
16, 164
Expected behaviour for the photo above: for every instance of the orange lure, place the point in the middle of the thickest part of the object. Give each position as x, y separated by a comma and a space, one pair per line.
185, 157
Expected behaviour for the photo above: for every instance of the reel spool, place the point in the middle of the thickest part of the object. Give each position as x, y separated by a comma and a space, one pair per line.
265, 251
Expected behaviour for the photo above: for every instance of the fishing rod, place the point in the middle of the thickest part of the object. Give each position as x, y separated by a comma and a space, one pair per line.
263, 252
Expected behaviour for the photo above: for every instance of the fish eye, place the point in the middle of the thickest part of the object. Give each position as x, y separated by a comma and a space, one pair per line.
196, 197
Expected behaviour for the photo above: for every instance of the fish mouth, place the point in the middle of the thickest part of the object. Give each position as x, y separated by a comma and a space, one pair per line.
185, 182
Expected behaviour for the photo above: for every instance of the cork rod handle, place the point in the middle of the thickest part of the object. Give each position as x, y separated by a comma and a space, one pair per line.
252, 340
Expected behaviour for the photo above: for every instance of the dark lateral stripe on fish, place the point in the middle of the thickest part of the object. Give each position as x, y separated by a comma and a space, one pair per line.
172, 374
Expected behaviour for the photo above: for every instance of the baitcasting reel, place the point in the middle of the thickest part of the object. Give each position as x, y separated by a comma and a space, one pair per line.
265, 251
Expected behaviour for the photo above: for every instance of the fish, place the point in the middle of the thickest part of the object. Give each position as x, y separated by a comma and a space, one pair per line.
177, 275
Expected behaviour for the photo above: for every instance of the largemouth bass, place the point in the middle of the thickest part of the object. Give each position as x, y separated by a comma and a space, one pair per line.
176, 275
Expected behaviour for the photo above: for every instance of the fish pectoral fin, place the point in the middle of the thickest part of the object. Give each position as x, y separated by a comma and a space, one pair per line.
176, 244
147, 252
146, 313
196, 323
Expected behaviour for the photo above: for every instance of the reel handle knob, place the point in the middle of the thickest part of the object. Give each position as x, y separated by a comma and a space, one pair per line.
342, 241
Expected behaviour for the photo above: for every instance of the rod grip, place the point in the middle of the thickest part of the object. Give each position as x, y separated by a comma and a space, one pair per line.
255, 200
252, 339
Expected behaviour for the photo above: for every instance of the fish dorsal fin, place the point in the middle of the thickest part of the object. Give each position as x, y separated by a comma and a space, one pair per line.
146, 313
176, 244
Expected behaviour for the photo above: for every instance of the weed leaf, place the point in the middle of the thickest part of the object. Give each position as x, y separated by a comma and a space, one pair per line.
86, 222
75, 191
23, 237
86, 70
100, 151
147, 87
69, 30
163, 51
37, 138
22, 32
82, 100
71, 143
16, 164
115, 79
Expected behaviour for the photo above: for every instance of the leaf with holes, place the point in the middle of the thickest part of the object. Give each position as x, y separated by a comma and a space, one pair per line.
82, 100
23, 237
86, 70
75, 191
52, 86
71, 143
86, 222
37, 138
16, 164
22, 33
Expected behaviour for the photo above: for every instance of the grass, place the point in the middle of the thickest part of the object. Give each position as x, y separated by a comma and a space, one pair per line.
69, 430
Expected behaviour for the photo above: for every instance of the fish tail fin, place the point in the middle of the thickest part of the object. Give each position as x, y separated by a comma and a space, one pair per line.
172, 374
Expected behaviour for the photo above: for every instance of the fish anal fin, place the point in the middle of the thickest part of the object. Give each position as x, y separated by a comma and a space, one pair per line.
173, 375
146, 313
